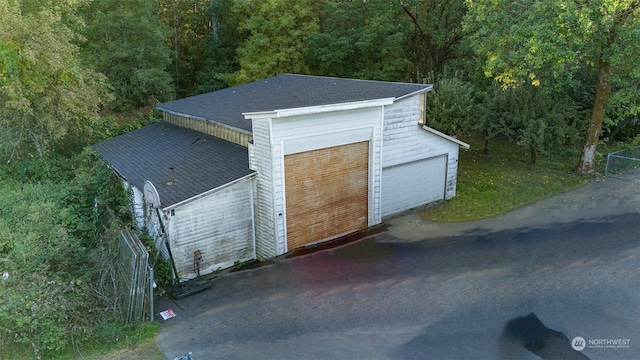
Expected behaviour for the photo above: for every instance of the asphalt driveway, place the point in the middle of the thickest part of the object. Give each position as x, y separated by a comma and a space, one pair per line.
538, 277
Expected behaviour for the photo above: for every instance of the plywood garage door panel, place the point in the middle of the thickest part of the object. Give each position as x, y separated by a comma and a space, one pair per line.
326, 192
413, 184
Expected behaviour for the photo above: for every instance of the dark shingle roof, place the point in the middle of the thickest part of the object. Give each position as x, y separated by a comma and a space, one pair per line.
201, 162
286, 91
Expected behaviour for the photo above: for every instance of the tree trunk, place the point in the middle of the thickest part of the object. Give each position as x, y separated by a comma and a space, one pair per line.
533, 155
214, 21
603, 92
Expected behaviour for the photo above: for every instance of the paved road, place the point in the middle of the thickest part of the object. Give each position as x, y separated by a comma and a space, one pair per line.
423, 290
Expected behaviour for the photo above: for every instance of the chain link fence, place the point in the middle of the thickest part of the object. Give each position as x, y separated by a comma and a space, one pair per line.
134, 279
623, 164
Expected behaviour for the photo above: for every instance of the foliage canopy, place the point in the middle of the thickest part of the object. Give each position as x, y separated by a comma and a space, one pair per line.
47, 93
125, 42
546, 42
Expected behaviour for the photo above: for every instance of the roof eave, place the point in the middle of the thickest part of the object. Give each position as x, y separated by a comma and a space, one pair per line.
172, 112
208, 192
443, 135
425, 89
204, 119
280, 113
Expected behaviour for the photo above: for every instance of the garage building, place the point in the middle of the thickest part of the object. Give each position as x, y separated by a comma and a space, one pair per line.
324, 157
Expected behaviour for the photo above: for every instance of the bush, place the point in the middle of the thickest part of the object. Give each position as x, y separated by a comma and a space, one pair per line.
450, 106
50, 234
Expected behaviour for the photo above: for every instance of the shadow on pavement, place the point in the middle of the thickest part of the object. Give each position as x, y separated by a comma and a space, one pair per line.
529, 332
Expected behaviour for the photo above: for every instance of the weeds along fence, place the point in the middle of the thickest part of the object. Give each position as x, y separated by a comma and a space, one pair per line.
134, 279
619, 163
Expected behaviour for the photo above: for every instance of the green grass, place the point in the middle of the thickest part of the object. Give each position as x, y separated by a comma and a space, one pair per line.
132, 343
489, 185
115, 342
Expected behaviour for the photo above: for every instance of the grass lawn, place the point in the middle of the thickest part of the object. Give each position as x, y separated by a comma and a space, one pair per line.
135, 343
502, 180
122, 343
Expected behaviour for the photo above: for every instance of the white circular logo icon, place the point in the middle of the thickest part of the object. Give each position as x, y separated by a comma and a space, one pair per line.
578, 343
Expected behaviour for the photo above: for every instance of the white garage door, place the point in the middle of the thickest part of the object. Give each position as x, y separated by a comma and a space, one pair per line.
413, 184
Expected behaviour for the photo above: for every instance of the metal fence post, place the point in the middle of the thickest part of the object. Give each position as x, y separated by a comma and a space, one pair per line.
151, 284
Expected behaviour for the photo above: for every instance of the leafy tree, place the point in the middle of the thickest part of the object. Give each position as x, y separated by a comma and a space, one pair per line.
217, 62
492, 117
534, 119
451, 106
436, 36
203, 38
540, 119
621, 120
46, 94
546, 42
125, 41
623, 110
276, 32
361, 39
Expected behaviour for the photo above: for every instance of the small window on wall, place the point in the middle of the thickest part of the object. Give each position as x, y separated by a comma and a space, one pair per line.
423, 109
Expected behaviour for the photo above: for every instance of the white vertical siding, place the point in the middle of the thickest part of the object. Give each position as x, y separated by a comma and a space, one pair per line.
236, 136
137, 204
260, 159
395, 138
219, 225
375, 174
273, 138
405, 141
278, 198
452, 174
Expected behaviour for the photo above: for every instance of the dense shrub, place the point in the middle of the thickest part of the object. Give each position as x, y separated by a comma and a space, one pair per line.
52, 225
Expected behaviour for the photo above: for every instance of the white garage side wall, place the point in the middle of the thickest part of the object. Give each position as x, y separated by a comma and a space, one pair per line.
260, 160
405, 141
146, 217
219, 225
317, 131
452, 174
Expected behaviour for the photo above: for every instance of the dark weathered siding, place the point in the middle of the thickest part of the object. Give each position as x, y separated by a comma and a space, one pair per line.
226, 133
